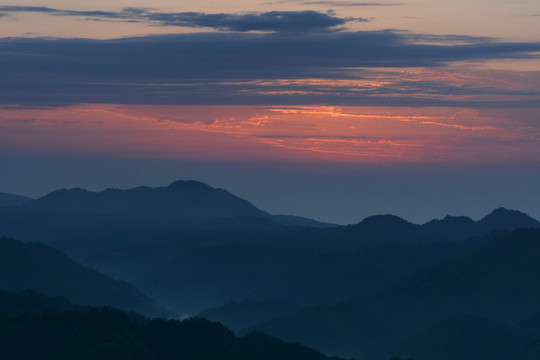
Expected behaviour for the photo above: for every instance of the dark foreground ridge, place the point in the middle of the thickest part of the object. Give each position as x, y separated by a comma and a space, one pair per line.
33, 326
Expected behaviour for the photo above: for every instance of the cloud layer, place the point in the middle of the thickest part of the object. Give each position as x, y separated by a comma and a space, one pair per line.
298, 60
234, 69
273, 21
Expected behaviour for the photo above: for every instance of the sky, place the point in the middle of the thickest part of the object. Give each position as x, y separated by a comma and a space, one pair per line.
334, 110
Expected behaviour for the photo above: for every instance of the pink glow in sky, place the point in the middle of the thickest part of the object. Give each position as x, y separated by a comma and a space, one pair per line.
404, 85
238, 133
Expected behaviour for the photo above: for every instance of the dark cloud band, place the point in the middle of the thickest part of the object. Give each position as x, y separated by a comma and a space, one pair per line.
234, 68
274, 21
346, 3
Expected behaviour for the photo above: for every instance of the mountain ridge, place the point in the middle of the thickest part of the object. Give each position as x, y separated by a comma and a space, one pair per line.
39, 267
12, 199
183, 198
499, 281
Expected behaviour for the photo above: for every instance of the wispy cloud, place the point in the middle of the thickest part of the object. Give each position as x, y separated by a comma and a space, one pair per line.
460, 127
347, 3
333, 3
275, 21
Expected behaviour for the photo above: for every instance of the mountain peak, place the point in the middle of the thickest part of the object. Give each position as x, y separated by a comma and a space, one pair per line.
502, 212
190, 184
385, 220
183, 198
502, 218
63, 195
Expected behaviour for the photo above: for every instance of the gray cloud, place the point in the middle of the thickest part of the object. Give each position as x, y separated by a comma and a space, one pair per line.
347, 3
42, 9
240, 68
276, 21
279, 21
332, 3
19, 121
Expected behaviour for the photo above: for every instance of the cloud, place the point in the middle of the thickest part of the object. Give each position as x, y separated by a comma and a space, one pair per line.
187, 119
127, 13
333, 3
19, 121
275, 21
244, 69
347, 3
278, 21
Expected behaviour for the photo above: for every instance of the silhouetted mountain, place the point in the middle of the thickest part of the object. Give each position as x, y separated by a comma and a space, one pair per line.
380, 230
192, 246
384, 229
299, 265
392, 229
502, 218
107, 333
499, 282
455, 228
80, 222
38, 267
12, 200
458, 228
181, 198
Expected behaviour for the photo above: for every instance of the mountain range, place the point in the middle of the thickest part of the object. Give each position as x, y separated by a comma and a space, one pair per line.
499, 281
372, 290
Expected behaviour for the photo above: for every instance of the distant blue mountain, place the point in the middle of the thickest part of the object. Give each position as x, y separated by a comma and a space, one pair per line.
498, 282
12, 200
460, 227
81, 222
181, 198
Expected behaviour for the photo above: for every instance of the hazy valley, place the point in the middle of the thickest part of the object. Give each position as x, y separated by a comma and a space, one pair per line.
450, 288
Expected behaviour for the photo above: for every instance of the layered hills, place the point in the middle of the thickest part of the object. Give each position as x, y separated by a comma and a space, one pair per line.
376, 289
41, 268
499, 282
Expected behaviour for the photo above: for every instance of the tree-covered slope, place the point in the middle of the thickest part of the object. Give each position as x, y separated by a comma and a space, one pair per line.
107, 333
38, 267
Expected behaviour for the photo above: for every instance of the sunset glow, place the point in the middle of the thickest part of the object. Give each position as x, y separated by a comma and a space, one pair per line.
338, 87
327, 133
